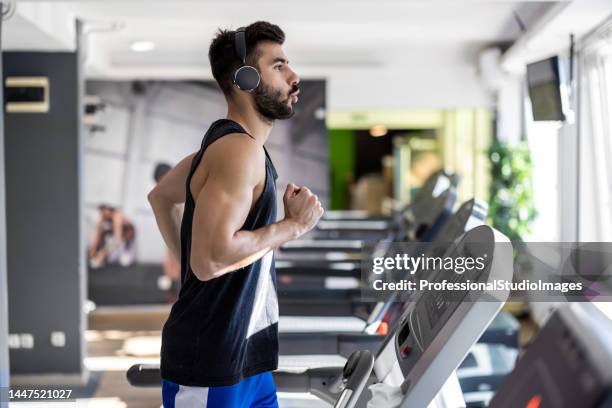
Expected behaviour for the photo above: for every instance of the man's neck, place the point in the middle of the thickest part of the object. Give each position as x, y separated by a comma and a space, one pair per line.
250, 120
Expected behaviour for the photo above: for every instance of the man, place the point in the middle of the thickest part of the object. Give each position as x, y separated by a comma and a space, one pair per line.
220, 342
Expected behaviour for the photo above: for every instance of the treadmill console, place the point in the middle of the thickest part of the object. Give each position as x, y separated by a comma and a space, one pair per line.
438, 329
433, 309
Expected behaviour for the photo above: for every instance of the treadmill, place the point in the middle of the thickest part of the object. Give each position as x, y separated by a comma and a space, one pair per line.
418, 359
569, 364
343, 334
332, 277
356, 223
423, 222
353, 234
337, 291
420, 355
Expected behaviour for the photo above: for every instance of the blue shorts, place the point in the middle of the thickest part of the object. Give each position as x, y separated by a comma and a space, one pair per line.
257, 391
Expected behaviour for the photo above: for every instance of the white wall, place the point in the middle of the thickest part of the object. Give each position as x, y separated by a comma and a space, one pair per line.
446, 84
423, 76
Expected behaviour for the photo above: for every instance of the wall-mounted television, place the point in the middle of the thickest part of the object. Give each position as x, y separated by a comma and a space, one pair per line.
544, 88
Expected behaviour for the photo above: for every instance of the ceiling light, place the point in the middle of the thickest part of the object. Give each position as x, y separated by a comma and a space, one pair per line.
142, 46
378, 131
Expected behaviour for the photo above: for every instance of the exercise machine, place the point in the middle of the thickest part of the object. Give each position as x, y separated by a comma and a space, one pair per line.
418, 359
412, 223
569, 364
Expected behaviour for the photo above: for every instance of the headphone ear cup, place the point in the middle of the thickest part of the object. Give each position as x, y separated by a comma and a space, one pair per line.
246, 78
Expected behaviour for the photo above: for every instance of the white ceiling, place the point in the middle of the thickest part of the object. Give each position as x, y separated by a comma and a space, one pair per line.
383, 54
321, 34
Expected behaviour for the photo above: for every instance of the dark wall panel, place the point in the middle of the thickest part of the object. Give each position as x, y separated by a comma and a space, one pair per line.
43, 218
4, 354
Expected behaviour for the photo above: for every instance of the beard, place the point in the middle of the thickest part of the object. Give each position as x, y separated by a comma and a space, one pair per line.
271, 104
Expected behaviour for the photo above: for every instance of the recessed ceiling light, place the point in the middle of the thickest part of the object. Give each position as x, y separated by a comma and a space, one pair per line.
142, 46
378, 131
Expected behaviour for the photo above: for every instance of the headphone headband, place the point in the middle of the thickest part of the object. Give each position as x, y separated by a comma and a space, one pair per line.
240, 44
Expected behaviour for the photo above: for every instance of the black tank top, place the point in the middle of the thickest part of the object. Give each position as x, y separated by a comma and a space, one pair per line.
224, 329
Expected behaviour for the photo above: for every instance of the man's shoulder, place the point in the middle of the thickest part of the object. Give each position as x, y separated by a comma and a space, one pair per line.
235, 148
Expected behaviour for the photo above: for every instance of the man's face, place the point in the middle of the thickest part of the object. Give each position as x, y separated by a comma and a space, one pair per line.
278, 90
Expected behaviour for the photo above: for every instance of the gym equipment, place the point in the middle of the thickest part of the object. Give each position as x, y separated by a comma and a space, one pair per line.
138, 285
303, 277
298, 285
319, 265
489, 361
483, 370
567, 365
353, 229
418, 221
428, 186
435, 334
298, 300
504, 330
246, 77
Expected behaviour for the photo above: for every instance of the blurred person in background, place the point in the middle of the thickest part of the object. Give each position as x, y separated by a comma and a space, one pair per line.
113, 241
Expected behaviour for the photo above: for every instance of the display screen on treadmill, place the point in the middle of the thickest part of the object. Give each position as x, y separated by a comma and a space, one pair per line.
436, 306
439, 302
454, 227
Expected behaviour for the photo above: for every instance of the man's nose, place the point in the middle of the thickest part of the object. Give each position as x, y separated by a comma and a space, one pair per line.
294, 78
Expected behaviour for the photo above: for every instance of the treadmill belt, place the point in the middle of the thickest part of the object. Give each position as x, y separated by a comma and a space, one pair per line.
299, 364
318, 324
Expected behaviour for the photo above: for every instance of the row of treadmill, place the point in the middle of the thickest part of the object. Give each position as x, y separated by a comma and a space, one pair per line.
422, 348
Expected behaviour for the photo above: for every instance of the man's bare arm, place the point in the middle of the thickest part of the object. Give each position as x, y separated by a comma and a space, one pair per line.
164, 198
223, 204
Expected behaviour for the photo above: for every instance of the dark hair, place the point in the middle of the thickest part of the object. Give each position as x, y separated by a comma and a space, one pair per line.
222, 54
160, 171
